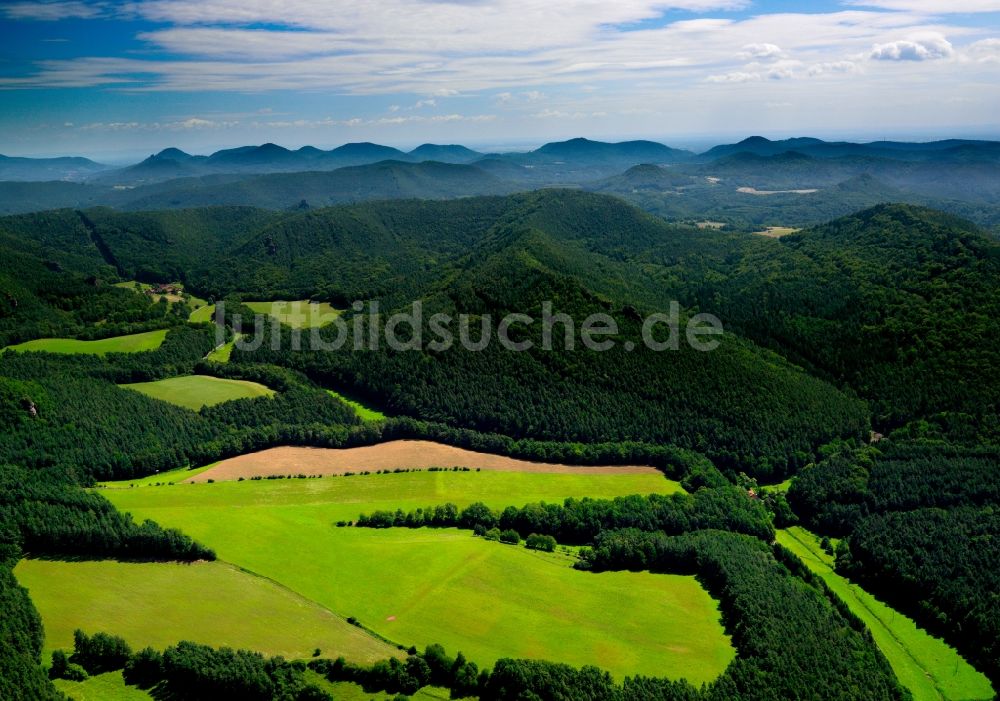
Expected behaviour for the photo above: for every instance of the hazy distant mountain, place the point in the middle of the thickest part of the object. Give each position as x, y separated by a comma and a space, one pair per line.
257, 157
633, 151
452, 153
379, 181
503, 169
645, 177
363, 153
63, 168
156, 168
952, 150
18, 197
175, 154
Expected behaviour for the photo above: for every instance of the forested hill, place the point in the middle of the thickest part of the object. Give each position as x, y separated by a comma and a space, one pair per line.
897, 304
900, 303
378, 181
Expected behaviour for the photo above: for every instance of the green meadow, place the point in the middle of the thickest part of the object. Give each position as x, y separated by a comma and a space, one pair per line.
197, 391
166, 477
926, 665
299, 314
364, 413
135, 343
101, 687
423, 586
223, 353
345, 691
159, 604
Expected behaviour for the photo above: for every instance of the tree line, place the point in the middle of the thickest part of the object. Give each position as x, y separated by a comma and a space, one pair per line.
580, 521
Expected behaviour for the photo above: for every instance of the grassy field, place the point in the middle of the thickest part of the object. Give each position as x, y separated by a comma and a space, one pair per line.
345, 691
151, 340
927, 666
423, 586
102, 687
364, 413
197, 391
776, 232
223, 353
160, 478
160, 604
299, 314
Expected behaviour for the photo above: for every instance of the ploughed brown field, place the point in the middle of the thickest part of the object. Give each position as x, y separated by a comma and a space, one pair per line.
387, 456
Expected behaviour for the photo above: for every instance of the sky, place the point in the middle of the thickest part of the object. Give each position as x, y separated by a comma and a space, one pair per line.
120, 80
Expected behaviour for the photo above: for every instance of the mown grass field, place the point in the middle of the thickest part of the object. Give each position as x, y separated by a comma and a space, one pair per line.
424, 586
345, 691
926, 665
223, 353
776, 232
159, 604
166, 477
299, 314
197, 391
135, 343
102, 687
364, 413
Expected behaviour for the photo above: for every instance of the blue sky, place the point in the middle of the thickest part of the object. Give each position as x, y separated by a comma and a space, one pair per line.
116, 80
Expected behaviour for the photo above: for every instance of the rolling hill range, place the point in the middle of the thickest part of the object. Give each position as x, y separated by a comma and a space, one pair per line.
951, 150
556, 246
881, 320
754, 184
386, 180
39, 169
377, 181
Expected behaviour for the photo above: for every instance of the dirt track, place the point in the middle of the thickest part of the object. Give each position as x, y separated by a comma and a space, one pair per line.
386, 456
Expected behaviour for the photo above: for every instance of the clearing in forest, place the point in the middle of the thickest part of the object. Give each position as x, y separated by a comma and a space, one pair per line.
927, 666
134, 343
776, 232
197, 391
299, 314
418, 587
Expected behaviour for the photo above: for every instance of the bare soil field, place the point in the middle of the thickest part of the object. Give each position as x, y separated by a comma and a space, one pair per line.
387, 456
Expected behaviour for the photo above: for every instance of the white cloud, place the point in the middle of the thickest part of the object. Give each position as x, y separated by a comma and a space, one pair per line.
356, 52
833, 67
985, 51
926, 48
178, 125
779, 74
931, 6
734, 77
761, 52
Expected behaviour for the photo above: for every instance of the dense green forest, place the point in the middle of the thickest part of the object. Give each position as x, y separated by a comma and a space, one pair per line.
920, 527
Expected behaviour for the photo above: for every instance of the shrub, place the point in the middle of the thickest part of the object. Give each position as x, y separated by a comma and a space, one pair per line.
510, 536
545, 543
